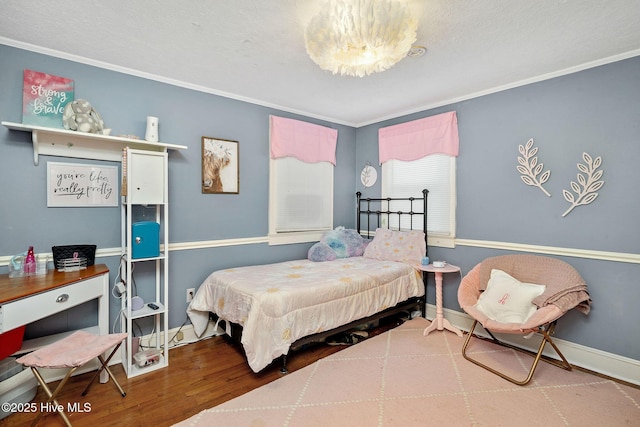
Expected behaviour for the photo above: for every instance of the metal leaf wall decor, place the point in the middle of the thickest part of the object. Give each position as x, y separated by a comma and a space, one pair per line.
588, 184
530, 169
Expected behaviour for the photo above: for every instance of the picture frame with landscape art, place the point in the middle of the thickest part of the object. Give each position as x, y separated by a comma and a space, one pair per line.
220, 166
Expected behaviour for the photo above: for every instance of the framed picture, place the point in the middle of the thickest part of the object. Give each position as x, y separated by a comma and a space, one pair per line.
81, 185
220, 166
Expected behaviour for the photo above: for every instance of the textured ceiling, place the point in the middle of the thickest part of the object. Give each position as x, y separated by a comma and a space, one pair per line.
254, 49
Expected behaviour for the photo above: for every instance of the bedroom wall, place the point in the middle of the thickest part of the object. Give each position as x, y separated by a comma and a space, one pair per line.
198, 222
595, 111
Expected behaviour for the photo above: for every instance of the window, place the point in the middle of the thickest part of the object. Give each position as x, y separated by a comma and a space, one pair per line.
436, 173
300, 180
300, 200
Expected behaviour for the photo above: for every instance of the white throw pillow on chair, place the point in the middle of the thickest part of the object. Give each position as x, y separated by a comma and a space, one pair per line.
508, 300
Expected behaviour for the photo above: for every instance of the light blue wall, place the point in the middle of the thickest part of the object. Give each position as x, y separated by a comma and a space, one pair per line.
595, 111
185, 116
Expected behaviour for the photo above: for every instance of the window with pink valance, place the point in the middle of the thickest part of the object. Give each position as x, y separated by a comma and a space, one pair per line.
307, 142
419, 138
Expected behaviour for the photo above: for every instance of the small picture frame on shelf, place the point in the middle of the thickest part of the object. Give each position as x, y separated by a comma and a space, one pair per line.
220, 166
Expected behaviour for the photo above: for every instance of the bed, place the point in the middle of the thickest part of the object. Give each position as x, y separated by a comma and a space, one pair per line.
277, 308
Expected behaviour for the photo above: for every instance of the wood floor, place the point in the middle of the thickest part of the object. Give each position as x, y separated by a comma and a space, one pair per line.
199, 376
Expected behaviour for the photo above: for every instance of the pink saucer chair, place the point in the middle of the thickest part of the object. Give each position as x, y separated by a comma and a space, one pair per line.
504, 294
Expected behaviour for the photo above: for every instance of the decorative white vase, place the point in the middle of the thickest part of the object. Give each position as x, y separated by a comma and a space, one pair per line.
151, 134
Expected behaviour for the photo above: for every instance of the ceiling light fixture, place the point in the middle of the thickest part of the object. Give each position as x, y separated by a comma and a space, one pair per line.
360, 37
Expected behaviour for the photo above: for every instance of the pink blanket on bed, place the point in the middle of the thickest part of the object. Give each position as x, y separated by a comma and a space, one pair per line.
276, 304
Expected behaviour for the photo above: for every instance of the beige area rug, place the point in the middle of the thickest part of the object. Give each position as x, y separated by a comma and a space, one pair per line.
402, 378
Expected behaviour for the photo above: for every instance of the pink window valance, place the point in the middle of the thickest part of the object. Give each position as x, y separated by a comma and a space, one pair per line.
305, 141
419, 138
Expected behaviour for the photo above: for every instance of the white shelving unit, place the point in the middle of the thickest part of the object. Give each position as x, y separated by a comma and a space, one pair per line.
146, 185
66, 143
145, 180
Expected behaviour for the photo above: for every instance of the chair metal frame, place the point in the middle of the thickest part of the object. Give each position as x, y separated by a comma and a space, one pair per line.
545, 330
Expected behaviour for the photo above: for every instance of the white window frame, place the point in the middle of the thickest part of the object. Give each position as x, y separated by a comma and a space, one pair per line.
436, 198
276, 237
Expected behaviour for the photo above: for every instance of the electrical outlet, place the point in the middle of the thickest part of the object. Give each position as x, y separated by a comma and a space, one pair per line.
190, 293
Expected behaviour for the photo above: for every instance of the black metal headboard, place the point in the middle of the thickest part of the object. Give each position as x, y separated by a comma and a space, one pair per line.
374, 210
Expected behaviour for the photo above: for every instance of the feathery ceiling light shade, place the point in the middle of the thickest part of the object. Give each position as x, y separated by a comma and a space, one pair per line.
360, 37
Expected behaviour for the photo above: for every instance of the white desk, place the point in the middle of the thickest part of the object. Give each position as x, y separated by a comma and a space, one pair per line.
440, 322
24, 300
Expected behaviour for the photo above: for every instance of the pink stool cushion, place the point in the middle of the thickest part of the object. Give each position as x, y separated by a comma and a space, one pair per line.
72, 351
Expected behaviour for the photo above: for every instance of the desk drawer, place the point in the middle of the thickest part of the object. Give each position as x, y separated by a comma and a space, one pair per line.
36, 307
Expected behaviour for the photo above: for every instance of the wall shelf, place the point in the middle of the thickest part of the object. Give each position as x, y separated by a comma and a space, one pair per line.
66, 143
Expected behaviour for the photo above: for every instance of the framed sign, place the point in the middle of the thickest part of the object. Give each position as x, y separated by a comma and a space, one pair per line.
79, 185
220, 166
44, 98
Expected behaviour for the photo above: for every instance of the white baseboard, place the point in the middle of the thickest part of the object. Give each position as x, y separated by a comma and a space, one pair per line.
612, 365
189, 335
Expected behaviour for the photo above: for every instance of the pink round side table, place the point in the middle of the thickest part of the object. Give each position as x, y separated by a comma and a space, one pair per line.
440, 322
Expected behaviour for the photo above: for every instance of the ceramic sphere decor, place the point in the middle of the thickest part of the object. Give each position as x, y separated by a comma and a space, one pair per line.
368, 176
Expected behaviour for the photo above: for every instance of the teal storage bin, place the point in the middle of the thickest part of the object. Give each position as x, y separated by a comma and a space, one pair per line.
145, 239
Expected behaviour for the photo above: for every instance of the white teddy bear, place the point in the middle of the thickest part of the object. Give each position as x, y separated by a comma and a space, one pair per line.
80, 116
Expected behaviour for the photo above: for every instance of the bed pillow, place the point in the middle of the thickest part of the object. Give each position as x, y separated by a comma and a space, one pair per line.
338, 243
404, 246
508, 300
321, 252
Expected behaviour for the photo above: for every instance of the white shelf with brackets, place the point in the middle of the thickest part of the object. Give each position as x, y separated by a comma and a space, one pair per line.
81, 145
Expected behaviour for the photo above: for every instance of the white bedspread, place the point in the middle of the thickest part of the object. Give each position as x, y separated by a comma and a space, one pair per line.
279, 303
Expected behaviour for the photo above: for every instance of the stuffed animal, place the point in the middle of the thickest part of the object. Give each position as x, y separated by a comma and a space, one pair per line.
338, 243
80, 116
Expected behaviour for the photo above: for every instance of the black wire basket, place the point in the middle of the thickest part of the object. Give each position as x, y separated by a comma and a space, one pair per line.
73, 257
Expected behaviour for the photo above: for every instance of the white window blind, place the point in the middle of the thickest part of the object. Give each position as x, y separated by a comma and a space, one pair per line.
303, 195
300, 180
436, 173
